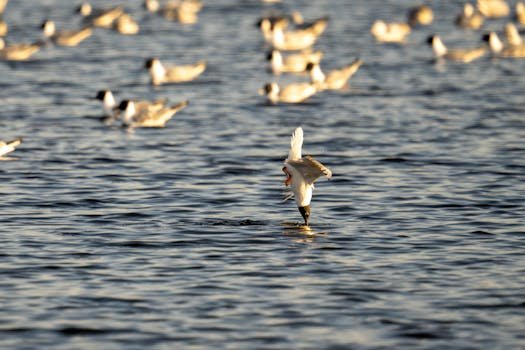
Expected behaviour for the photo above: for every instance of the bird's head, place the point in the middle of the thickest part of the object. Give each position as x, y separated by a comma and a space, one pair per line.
305, 212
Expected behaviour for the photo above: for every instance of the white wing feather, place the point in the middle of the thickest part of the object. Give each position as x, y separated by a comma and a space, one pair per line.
296, 143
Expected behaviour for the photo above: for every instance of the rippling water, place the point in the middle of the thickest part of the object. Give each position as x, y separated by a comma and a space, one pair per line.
177, 237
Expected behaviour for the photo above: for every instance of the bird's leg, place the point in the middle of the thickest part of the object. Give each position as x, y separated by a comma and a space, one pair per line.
288, 177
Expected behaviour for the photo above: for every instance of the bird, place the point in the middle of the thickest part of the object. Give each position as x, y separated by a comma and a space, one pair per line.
301, 172
158, 118
512, 35
469, 18
336, 79
459, 55
520, 13
9, 146
64, 38
3, 4
3, 28
100, 17
184, 12
493, 8
293, 40
390, 32
173, 74
18, 52
499, 50
111, 110
292, 93
293, 63
126, 25
420, 15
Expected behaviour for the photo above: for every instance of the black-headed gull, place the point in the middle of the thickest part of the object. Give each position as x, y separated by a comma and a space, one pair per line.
301, 172
459, 55
173, 74
64, 38
334, 80
291, 93
148, 118
9, 146
18, 52
100, 17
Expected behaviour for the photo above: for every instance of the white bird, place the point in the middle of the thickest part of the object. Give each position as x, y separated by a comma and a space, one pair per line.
18, 52
3, 4
173, 74
512, 35
520, 13
301, 172
126, 25
148, 118
469, 18
291, 93
111, 110
420, 15
459, 55
9, 146
3, 28
390, 32
64, 38
100, 17
292, 40
334, 80
182, 11
493, 8
293, 63
499, 50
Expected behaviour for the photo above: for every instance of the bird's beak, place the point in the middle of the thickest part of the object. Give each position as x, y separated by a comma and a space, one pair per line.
305, 212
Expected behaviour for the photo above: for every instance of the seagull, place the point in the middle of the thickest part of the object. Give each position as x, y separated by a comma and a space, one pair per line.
469, 18
111, 110
9, 146
493, 8
126, 25
184, 12
499, 50
174, 74
520, 13
390, 32
292, 93
293, 63
292, 40
420, 15
100, 17
64, 38
3, 28
148, 118
301, 172
458, 55
3, 4
334, 80
512, 35
18, 52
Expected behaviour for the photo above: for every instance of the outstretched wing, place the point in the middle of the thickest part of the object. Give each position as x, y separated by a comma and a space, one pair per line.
310, 169
296, 143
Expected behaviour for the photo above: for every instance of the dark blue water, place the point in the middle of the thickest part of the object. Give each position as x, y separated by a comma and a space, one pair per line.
177, 238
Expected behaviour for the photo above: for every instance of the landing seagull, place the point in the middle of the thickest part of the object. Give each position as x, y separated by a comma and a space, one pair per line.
301, 172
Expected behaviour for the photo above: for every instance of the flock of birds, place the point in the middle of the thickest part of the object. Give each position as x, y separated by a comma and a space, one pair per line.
291, 40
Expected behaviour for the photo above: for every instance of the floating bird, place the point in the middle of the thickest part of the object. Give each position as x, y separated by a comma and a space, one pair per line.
336, 79
459, 55
420, 15
184, 12
390, 32
111, 110
64, 38
301, 172
173, 74
512, 35
100, 17
499, 50
520, 13
9, 146
18, 52
493, 8
125, 25
158, 118
292, 93
293, 63
3, 4
469, 18
292, 40
3, 28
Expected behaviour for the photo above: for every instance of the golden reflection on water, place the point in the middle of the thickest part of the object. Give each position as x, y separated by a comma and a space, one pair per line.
301, 233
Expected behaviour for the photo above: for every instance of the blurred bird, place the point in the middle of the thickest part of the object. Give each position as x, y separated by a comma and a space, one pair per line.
336, 79
99, 17
9, 146
18, 52
291, 40
125, 25
520, 13
132, 117
493, 8
112, 112
469, 18
420, 15
512, 35
498, 49
64, 38
459, 55
3, 4
173, 74
292, 93
182, 11
293, 63
390, 32
301, 172
3, 28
